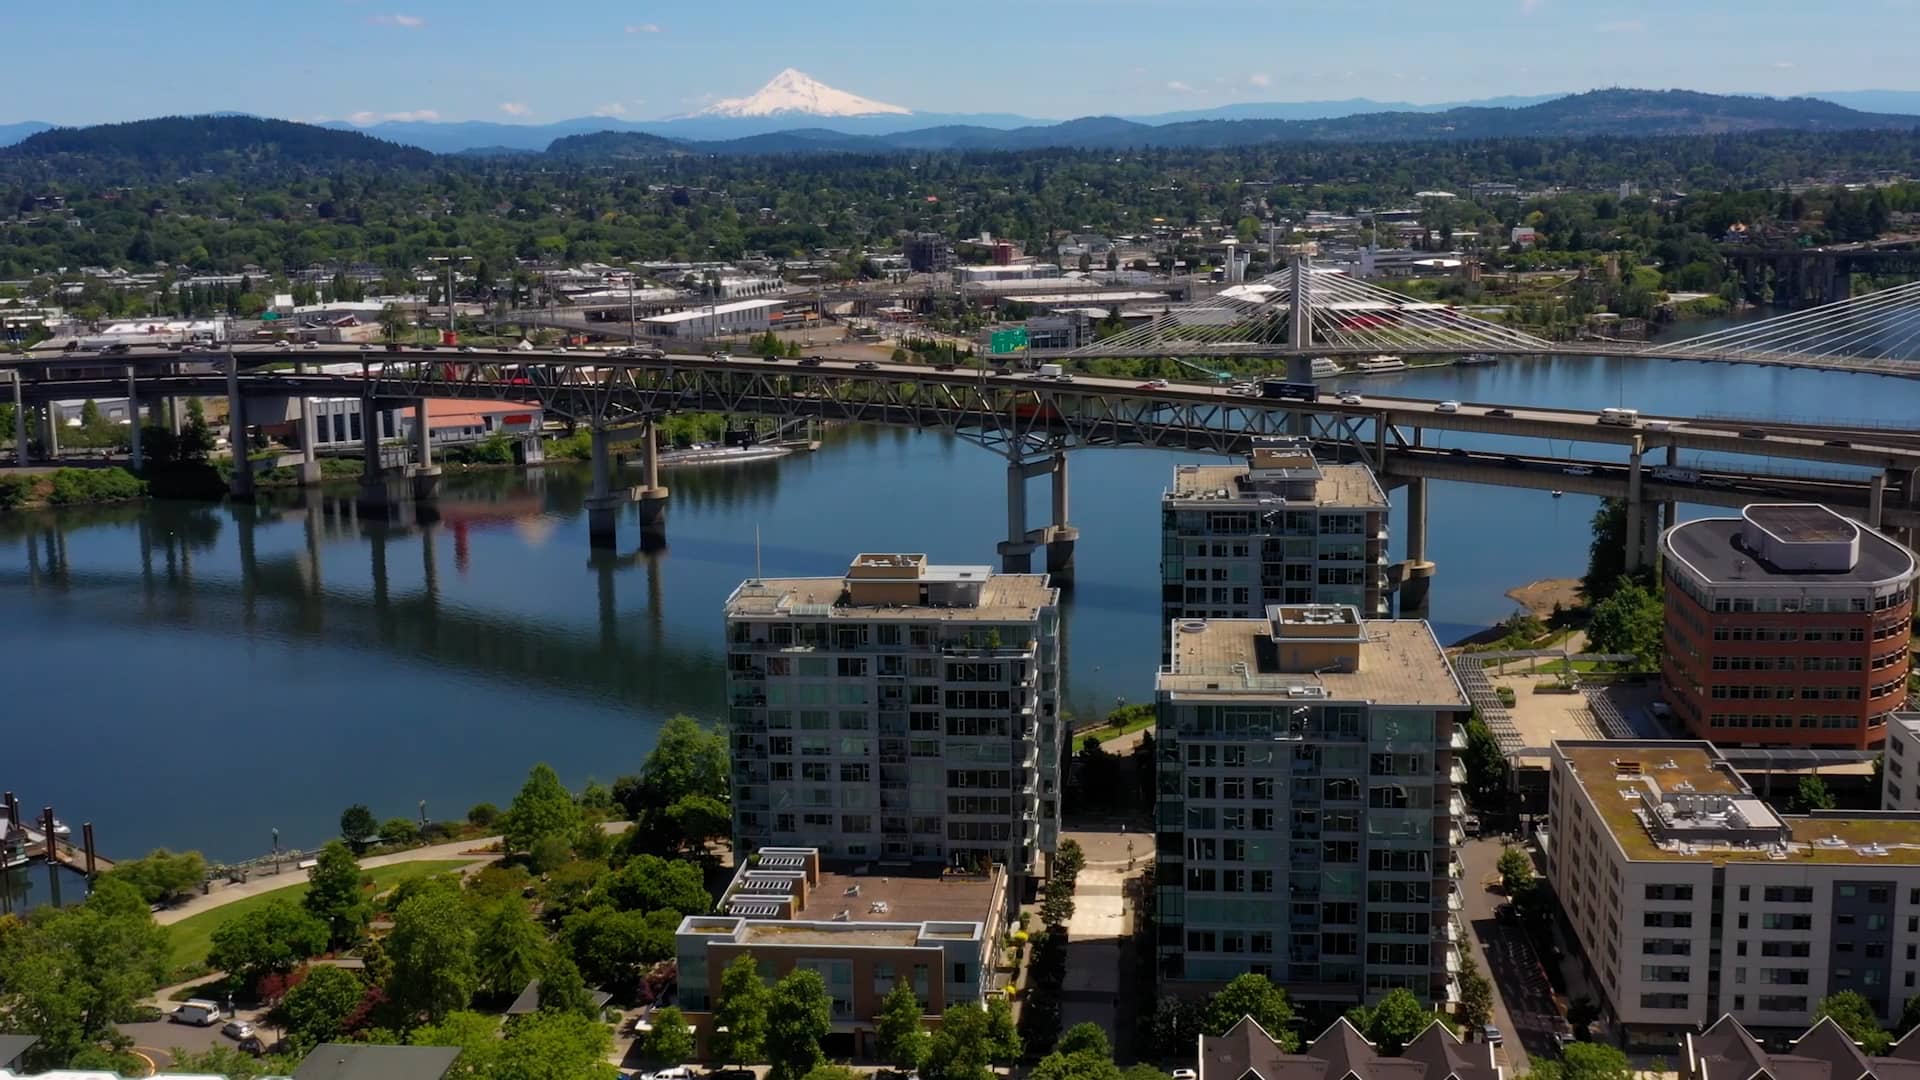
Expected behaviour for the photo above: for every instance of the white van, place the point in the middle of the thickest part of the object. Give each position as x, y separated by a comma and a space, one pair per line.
1620, 417
1659, 425
197, 1012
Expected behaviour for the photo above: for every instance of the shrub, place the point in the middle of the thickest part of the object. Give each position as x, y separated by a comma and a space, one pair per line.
71, 486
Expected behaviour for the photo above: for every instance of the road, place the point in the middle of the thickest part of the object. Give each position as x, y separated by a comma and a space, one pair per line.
1522, 998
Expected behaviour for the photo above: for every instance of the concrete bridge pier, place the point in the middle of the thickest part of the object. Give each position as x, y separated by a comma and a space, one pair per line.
1060, 536
1016, 551
1876, 499
20, 425
604, 503
309, 458
1416, 574
241, 486
50, 431
652, 494
1636, 555
134, 458
1669, 510
426, 475
376, 499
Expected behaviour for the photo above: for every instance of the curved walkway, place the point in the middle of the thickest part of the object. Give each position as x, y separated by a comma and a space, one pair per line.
478, 850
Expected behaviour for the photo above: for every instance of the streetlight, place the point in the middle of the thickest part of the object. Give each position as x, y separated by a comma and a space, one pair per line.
449, 259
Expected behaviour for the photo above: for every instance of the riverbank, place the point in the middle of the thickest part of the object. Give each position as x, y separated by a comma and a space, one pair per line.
1543, 598
69, 487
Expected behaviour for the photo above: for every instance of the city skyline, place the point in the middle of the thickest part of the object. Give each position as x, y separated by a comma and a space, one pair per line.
429, 60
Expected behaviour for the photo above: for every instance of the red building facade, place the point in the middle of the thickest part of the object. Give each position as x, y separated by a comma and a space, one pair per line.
1786, 626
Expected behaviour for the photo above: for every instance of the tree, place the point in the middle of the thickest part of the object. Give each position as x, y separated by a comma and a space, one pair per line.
1582, 1011
1476, 997
1393, 1022
67, 975
1811, 794
833, 1072
1588, 1061
316, 1009
277, 937
1629, 621
650, 883
799, 1015
357, 826
1003, 1035
1056, 903
900, 1038
161, 875
399, 830
1175, 1025
740, 1018
335, 895
483, 815
962, 1048
1256, 996
1516, 871
478, 1038
1855, 1015
432, 950
673, 799
612, 946
1082, 1065
542, 809
1607, 552
230, 1063
508, 948
1909, 1017
1488, 770
669, 1043
1082, 1038
562, 988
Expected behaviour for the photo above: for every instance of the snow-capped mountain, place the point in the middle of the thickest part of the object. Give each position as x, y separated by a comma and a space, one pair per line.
795, 93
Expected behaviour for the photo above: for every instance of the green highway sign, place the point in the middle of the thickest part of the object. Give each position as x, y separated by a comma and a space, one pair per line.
1006, 341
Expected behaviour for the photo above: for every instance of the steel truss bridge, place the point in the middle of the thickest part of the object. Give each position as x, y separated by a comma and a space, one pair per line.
1871, 474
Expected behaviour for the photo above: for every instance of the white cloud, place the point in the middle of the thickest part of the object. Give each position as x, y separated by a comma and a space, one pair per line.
514, 108
1179, 87
410, 22
611, 108
644, 28
1623, 26
1528, 7
367, 116
1783, 65
1261, 79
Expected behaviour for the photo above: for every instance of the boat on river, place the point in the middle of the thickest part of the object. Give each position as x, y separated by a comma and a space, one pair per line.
1379, 365
715, 454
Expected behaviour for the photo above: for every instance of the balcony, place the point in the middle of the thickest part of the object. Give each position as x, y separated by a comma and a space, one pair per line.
750, 700
1457, 774
1459, 741
1454, 903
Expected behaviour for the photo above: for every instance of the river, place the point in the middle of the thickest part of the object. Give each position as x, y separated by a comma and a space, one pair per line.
197, 676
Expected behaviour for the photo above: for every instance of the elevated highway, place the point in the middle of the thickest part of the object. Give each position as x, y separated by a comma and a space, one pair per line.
1869, 473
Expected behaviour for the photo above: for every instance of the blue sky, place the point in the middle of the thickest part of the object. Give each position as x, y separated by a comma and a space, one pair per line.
102, 60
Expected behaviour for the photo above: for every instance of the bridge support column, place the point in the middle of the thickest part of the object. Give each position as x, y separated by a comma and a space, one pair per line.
20, 424
241, 486
375, 499
1636, 508
652, 494
426, 475
1669, 510
604, 503
134, 459
52, 432
1416, 574
1876, 499
1016, 551
309, 456
1061, 536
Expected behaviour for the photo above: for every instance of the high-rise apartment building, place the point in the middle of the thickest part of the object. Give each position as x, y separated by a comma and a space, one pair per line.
1281, 529
1786, 626
902, 712
1693, 899
1308, 812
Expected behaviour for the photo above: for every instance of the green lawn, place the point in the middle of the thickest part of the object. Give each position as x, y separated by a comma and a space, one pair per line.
1105, 732
193, 936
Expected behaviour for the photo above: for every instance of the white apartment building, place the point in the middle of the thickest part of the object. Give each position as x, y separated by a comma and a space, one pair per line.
1308, 811
902, 712
1281, 529
1692, 898
1900, 771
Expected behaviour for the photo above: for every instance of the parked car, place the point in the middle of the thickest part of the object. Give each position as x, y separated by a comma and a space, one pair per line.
677, 1072
1185, 1074
253, 1044
1491, 1034
237, 1029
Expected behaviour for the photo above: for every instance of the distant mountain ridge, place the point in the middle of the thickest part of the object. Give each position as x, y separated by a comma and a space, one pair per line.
794, 92
236, 140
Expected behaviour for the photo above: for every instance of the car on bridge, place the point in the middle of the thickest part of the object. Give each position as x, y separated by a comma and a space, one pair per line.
1505, 414
1447, 407
1154, 384
1577, 470
810, 361
866, 365
1348, 397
